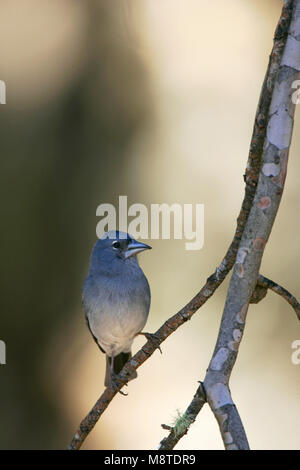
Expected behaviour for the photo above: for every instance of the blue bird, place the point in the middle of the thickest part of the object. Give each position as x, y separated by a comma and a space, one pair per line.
116, 298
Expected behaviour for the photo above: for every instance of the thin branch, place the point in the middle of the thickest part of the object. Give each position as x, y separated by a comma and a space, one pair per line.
257, 231
254, 159
269, 284
213, 282
183, 423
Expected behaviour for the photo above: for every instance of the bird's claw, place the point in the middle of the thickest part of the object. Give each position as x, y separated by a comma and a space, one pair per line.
153, 339
114, 384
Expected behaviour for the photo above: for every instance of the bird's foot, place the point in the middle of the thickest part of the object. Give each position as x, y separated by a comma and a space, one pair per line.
114, 383
152, 338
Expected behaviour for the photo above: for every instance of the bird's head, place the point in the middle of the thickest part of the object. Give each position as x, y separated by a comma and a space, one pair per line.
114, 247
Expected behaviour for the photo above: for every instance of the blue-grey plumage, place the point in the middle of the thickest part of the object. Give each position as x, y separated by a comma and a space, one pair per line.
116, 297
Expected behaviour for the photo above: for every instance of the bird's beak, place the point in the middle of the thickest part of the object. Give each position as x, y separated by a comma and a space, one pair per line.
135, 247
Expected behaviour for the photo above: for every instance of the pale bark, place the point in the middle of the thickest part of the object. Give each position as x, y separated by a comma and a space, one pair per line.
253, 242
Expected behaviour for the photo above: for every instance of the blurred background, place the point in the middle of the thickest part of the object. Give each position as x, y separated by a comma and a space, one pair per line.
156, 101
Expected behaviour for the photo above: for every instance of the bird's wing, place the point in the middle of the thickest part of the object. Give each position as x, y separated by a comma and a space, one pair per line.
89, 327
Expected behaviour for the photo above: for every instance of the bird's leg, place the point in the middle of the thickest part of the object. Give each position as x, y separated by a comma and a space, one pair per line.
112, 372
113, 376
151, 337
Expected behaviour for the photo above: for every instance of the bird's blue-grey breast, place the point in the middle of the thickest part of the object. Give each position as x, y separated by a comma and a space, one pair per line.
116, 297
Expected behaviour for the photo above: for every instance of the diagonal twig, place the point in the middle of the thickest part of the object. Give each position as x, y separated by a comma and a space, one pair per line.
182, 426
269, 284
213, 282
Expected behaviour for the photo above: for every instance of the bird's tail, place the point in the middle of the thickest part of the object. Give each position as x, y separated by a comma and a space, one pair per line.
119, 362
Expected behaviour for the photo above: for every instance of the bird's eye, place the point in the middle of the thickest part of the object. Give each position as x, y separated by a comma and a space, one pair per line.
116, 245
